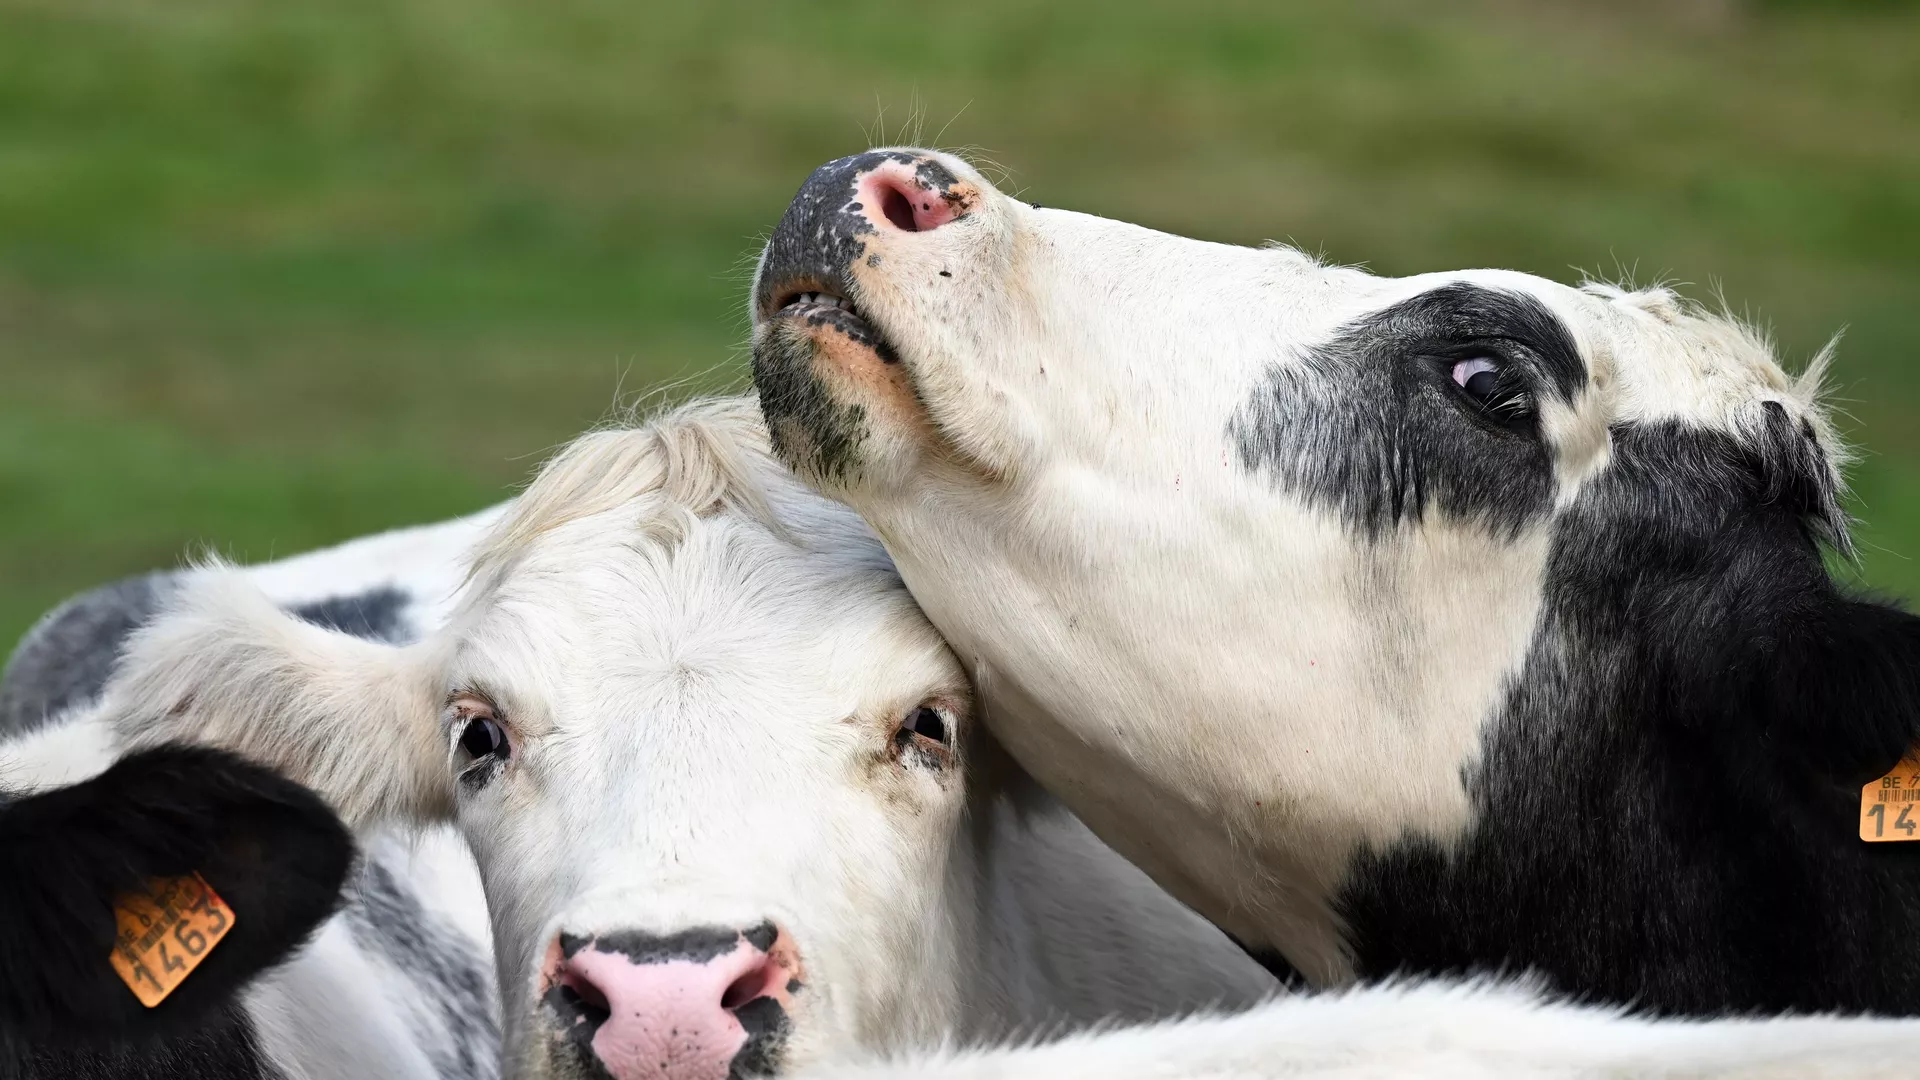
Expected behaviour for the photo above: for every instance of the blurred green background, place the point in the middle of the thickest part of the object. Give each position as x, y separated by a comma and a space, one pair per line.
276, 274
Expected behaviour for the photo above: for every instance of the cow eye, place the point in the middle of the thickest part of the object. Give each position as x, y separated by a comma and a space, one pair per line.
1477, 376
928, 724
925, 737
483, 738
1487, 384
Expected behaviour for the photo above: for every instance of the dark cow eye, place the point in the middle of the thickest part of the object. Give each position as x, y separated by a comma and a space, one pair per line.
1487, 384
928, 724
483, 738
1478, 377
926, 737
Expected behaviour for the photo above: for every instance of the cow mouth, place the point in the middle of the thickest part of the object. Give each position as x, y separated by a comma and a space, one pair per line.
818, 308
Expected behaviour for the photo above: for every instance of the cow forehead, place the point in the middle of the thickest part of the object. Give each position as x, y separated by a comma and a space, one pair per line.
727, 621
1649, 355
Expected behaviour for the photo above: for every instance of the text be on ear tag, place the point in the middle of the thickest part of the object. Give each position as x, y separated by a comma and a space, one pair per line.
164, 933
1890, 806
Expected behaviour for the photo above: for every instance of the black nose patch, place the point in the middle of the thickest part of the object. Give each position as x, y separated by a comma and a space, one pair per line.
576, 1019
698, 945
824, 231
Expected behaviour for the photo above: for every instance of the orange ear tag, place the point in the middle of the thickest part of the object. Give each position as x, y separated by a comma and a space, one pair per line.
164, 933
1890, 806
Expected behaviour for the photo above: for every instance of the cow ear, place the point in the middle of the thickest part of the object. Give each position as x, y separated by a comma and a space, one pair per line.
270, 849
356, 720
1846, 687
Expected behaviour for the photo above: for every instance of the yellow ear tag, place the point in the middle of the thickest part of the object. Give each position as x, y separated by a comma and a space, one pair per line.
164, 933
1890, 806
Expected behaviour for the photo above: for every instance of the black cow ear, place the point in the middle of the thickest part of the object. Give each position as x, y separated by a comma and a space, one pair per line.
271, 849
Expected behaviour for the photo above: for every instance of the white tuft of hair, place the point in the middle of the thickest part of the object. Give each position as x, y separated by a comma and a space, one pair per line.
355, 720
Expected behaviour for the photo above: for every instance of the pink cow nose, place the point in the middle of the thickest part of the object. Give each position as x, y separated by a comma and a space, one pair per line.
701, 1004
908, 202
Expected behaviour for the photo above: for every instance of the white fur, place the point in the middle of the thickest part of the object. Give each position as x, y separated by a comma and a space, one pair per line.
1429, 1030
1211, 671
335, 1014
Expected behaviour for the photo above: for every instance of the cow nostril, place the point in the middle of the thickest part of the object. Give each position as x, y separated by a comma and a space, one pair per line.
758, 982
899, 208
580, 993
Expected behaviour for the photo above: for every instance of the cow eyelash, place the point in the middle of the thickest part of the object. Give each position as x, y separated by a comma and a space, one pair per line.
1491, 385
478, 733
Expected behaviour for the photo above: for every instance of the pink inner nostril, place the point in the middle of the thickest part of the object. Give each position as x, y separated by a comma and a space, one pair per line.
583, 988
898, 207
759, 981
908, 204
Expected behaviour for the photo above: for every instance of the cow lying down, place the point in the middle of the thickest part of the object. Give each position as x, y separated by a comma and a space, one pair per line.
1461, 622
272, 852
733, 812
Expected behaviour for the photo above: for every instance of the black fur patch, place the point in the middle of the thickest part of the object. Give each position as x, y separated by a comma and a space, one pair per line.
376, 615
1666, 805
698, 945
269, 847
1370, 424
223, 1048
66, 658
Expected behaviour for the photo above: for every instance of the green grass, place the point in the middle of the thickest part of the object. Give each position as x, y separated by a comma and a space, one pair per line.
272, 275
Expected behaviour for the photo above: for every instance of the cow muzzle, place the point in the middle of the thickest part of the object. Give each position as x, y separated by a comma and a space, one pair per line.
824, 360
708, 1003
844, 217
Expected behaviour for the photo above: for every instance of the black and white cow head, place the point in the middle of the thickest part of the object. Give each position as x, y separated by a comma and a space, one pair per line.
270, 849
1262, 563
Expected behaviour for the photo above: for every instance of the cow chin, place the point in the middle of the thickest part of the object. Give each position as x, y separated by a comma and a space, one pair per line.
840, 408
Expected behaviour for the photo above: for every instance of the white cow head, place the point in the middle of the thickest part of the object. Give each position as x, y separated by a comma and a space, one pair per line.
1247, 552
705, 749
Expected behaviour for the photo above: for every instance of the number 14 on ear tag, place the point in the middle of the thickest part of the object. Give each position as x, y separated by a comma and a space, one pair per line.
1890, 806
